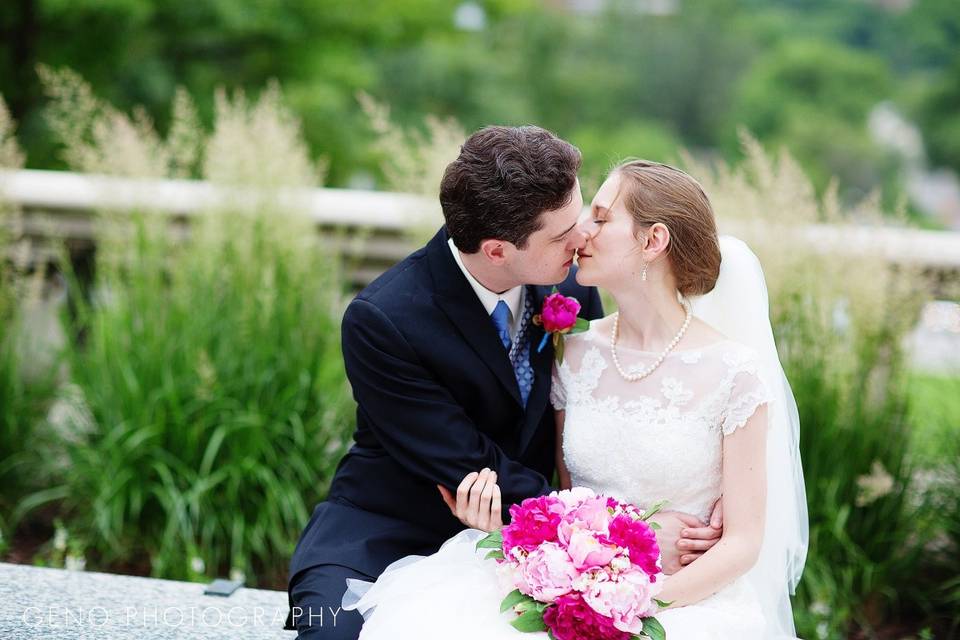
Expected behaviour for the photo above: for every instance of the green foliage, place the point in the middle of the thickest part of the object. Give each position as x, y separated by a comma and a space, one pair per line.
603, 149
935, 415
799, 96
939, 114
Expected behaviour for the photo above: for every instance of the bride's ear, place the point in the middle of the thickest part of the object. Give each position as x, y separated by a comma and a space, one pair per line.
655, 240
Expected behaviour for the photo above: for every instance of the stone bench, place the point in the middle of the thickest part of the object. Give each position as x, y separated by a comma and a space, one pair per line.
37, 602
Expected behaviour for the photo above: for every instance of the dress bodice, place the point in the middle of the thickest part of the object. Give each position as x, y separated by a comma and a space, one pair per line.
661, 437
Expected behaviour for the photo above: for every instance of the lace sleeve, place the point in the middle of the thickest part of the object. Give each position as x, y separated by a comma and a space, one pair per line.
746, 396
558, 394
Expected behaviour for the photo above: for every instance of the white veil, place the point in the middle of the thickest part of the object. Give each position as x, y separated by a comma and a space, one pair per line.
738, 307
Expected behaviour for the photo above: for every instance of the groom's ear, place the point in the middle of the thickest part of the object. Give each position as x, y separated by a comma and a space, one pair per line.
494, 251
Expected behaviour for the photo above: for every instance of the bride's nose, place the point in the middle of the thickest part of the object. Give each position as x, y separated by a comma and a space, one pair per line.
586, 226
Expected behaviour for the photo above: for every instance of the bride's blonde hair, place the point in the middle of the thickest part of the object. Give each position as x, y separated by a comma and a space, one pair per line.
653, 192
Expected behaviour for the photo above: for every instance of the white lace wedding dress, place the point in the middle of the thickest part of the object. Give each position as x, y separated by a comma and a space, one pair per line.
659, 438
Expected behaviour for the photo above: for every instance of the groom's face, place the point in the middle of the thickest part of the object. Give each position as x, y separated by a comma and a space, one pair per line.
549, 253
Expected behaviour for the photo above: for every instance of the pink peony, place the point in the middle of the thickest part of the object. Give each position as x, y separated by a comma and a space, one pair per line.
508, 576
574, 496
559, 313
587, 550
626, 600
591, 514
640, 539
533, 521
547, 573
572, 619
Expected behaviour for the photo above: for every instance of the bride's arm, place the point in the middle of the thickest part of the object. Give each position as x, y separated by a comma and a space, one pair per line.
744, 510
562, 472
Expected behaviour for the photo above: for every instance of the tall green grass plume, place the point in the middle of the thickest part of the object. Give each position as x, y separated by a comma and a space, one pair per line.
206, 358
27, 382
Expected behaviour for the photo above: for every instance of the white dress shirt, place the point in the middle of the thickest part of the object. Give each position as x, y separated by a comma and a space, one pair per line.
513, 297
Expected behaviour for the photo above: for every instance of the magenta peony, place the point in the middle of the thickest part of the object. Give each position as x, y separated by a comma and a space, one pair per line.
570, 618
640, 539
559, 313
533, 521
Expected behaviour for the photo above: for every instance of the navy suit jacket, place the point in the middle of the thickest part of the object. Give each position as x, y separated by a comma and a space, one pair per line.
437, 399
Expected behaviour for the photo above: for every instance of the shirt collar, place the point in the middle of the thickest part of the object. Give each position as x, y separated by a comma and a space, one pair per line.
512, 297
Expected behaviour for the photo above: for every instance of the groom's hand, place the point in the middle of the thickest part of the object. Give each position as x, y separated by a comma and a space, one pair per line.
683, 538
477, 503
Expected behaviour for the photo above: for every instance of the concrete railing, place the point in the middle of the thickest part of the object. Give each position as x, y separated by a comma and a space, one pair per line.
61, 204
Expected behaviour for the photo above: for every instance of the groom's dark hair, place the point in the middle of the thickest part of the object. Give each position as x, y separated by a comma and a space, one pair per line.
501, 182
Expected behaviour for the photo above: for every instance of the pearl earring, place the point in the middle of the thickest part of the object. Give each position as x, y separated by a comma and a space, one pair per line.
643, 274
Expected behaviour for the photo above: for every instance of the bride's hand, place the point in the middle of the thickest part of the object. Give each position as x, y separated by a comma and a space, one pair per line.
477, 503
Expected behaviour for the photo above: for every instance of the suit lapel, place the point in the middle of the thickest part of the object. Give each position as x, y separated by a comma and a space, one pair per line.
460, 303
458, 300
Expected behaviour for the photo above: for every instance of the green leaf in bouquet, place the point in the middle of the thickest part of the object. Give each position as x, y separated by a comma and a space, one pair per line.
558, 348
494, 553
526, 605
654, 526
653, 629
493, 540
529, 621
661, 603
649, 513
582, 324
514, 598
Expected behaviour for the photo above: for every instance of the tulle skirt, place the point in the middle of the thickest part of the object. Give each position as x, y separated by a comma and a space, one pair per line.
456, 593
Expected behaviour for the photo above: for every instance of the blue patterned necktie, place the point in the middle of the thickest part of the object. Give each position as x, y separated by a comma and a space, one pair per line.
519, 350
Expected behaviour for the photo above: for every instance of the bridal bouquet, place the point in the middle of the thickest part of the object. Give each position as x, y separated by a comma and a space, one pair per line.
584, 567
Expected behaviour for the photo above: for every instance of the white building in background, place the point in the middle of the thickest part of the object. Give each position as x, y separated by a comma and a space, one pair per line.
936, 192
934, 345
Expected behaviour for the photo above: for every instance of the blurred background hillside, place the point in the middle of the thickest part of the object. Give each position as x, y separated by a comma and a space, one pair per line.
867, 91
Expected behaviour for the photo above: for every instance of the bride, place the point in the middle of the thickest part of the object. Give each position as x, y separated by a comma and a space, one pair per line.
679, 396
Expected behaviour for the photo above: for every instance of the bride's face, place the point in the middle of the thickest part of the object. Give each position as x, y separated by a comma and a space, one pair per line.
612, 252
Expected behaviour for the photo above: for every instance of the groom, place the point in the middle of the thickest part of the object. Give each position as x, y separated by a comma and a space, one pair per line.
441, 354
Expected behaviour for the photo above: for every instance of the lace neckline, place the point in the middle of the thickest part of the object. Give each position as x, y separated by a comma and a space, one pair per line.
596, 335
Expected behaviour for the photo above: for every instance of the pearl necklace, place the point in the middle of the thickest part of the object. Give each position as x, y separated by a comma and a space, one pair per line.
633, 377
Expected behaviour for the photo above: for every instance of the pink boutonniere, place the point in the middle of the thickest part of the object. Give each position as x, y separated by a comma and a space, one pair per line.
558, 318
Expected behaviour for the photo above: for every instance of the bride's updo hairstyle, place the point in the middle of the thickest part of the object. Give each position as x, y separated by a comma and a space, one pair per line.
654, 192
